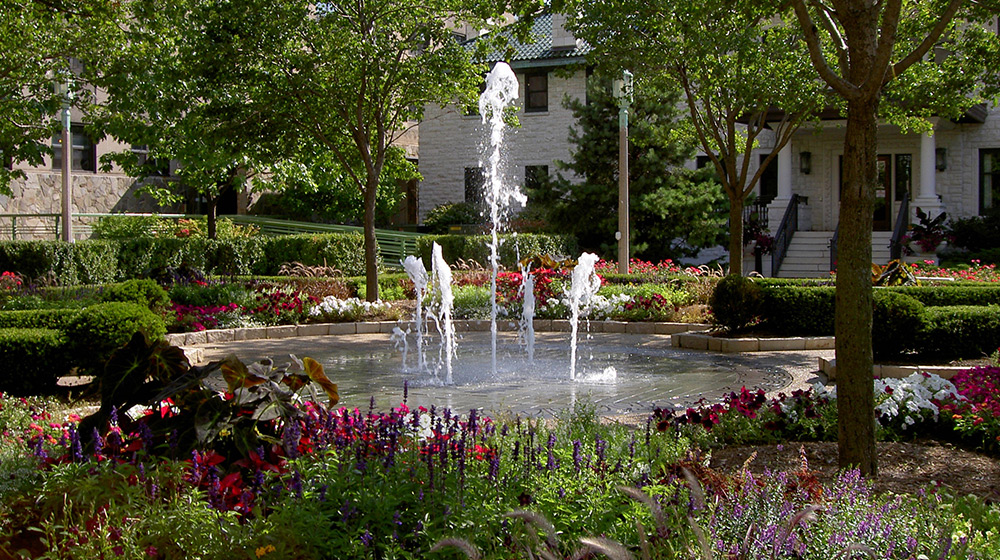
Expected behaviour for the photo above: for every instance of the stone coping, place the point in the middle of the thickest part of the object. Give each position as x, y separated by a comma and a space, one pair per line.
829, 367
702, 341
323, 329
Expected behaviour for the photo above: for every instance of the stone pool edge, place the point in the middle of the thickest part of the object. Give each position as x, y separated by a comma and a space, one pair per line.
189, 342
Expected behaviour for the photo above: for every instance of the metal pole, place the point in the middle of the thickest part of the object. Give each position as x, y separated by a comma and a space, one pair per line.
623, 233
67, 171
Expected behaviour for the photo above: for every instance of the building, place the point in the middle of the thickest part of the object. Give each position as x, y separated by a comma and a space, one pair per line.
450, 136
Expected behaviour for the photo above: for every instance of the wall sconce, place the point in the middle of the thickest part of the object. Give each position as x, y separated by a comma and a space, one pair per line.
941, 159
805, 162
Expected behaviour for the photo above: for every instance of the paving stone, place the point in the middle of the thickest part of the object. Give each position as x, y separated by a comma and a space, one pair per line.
194, 338
343, 328
820, 343
219, 335
640, 328
778, 344
614, 326
366, 328
282, 331
734, 345
320, 329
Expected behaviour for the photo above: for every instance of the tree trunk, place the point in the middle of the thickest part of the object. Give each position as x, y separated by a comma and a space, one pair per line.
736, 235
213, 205
371, 265
853, 323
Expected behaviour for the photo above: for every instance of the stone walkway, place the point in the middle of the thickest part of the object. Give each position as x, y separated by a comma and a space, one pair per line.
649, 372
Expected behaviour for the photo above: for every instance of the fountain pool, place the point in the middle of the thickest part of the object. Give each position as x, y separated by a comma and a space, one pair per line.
648, 372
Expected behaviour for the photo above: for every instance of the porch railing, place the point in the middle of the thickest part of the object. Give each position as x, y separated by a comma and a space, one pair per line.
899, 230
783, 236
833, 249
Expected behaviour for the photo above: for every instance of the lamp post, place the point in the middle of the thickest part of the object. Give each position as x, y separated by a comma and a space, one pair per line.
623, 92
64, 91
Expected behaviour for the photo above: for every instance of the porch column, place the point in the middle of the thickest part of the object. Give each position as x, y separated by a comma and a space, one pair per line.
776, 209
927, 197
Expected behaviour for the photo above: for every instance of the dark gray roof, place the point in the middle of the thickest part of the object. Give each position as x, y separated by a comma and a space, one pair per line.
538, 51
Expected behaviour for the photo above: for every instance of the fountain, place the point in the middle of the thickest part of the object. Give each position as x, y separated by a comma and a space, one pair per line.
414, 268
584, 286
442, 280
526, 327
501, 91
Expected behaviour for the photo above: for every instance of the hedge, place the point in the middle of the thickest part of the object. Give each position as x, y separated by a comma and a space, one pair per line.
943, 296
34, 359
961, 331
99, 329
38, 318
142, 291
798, 311
512, 246
98, 261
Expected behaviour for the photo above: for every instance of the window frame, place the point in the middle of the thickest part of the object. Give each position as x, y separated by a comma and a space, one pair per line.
532, 91
994, 179
87, 150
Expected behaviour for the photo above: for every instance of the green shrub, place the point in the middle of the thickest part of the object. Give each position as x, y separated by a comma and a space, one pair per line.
142, 291
96, 261
37, 318
129, 227
897, 321
798, 311
512, 246
343, 251
34, 359
442, 217
961, 331
672, 295
471, 302
736, 302
37, 259
210, 294
943, 296
98, 330
391, 287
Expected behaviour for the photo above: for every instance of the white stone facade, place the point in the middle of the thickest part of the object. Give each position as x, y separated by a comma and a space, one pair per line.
956, 187
451, 141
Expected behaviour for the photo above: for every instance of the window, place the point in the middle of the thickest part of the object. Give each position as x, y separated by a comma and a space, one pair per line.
473, 108
536, 93
904, 175
84, 156
768, 181
475, 179
7, 158
535, 176
989, 179
154, 166
702, 161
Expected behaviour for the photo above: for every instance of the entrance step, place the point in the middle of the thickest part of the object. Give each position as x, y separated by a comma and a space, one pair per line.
808, 255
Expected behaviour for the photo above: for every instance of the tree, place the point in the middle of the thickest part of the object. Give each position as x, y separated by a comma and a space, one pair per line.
318, 189
175, 82
351, 76
674, 211
877, 57
38, 40
734, 63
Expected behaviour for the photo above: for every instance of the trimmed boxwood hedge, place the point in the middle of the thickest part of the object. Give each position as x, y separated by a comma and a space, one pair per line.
961, 331
475, 247
792, 310
98, 330
99, 261
34, 360
37, 318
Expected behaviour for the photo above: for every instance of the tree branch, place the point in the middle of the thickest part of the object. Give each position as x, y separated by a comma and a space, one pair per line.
842, 86
928, 42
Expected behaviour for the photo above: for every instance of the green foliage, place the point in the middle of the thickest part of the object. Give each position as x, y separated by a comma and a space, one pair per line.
961, 331
343, 251
319, 190
34, 358
130, 227
471, 302
210, 294
391, 286
142, 291
441, 218
673, 212
474, 247
897, 321
940, 296
40, 318
798, 311
736, 302
96, 331
977, 233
